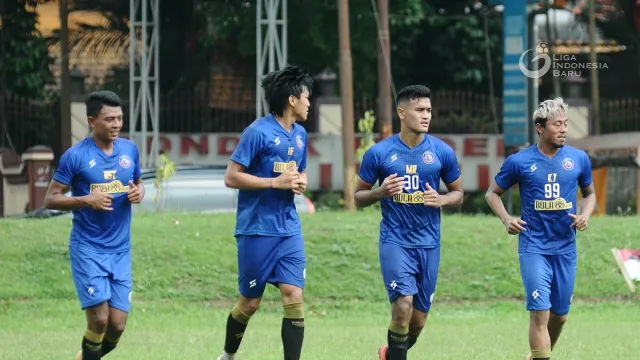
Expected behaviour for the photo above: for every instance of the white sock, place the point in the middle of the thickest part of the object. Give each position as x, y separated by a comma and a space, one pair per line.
227, 356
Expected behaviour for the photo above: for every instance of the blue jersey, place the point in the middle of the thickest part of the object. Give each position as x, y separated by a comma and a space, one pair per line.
85, 167
549, 192
406, 220
266, 149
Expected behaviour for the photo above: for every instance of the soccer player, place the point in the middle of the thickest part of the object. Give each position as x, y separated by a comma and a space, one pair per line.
103, 174
548, 175
268, 168
408, 167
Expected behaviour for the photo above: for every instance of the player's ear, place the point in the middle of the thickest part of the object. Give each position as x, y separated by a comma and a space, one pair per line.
400, 112
292, 100
91, 121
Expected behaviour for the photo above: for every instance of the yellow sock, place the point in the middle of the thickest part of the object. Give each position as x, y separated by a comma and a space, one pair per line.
540, 354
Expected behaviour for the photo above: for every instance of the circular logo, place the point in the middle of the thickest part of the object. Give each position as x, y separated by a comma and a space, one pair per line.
428, 157
299, 142
567, 164
541, 54
125, 162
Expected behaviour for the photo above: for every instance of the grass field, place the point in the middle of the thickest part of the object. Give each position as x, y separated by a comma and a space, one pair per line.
185, 283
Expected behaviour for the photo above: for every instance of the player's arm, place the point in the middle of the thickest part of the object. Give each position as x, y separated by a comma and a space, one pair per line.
55, 199
585, 181
494, 199
505, 179
455, 195
365, 195
452, 177
236, 177
588, 200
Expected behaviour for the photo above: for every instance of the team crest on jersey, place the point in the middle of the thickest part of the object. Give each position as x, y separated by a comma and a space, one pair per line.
299, 142
428, 157
567, 164
125, 162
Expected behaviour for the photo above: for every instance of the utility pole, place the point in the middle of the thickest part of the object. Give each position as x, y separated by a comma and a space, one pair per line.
346, 94
65, 79
593, 58
384, 117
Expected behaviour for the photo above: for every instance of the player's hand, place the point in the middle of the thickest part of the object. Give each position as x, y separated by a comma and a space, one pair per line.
392, 185
134, 194
581, 222
432, 198
99, 200
514, 226
300, 185
287, 180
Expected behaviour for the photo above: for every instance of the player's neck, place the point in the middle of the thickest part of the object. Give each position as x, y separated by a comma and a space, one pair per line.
105, 146
547, 149
410, 138
286, 120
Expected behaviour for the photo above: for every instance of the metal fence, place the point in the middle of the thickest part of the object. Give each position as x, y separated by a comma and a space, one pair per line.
30, 122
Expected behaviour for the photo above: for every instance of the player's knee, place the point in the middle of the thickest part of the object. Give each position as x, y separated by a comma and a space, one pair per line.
249, 306
291, 294
116, 329
539, 319
98, 319
417, 324
558, 320
401, 310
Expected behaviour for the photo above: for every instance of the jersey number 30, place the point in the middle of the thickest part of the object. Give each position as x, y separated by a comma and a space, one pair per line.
411, 182
552, 191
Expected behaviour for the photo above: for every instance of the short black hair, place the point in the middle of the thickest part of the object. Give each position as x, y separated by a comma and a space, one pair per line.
97, 99
413, 92
280, 84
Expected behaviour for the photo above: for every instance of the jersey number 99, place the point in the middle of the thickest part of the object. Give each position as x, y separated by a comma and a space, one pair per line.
411, 182
552, 191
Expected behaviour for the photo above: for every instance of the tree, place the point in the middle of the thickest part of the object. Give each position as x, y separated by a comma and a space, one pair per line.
25, 60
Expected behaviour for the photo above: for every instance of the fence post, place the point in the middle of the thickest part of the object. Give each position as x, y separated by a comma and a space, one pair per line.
38, 161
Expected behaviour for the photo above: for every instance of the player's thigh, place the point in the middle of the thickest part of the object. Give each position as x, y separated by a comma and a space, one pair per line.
257, 257
399, 270
90, 276
291, 264
537, 274
121, 281
565, 268
427, 279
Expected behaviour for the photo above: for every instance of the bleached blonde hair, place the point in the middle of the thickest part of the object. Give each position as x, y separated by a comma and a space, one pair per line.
550, 109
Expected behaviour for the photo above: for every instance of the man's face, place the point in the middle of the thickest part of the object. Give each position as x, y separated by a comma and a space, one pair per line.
416, 114
555, 130
300, 105
106, 126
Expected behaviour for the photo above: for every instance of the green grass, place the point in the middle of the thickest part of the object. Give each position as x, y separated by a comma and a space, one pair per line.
185, 280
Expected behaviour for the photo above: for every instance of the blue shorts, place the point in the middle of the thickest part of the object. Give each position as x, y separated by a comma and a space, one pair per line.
410, 272
270, 259
101, 277
549, 281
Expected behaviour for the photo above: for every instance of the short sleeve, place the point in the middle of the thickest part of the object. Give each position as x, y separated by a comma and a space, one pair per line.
248, 147
450, 168
369, 168
303, 162
508, 175
586, 177
66, 169
137, 171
